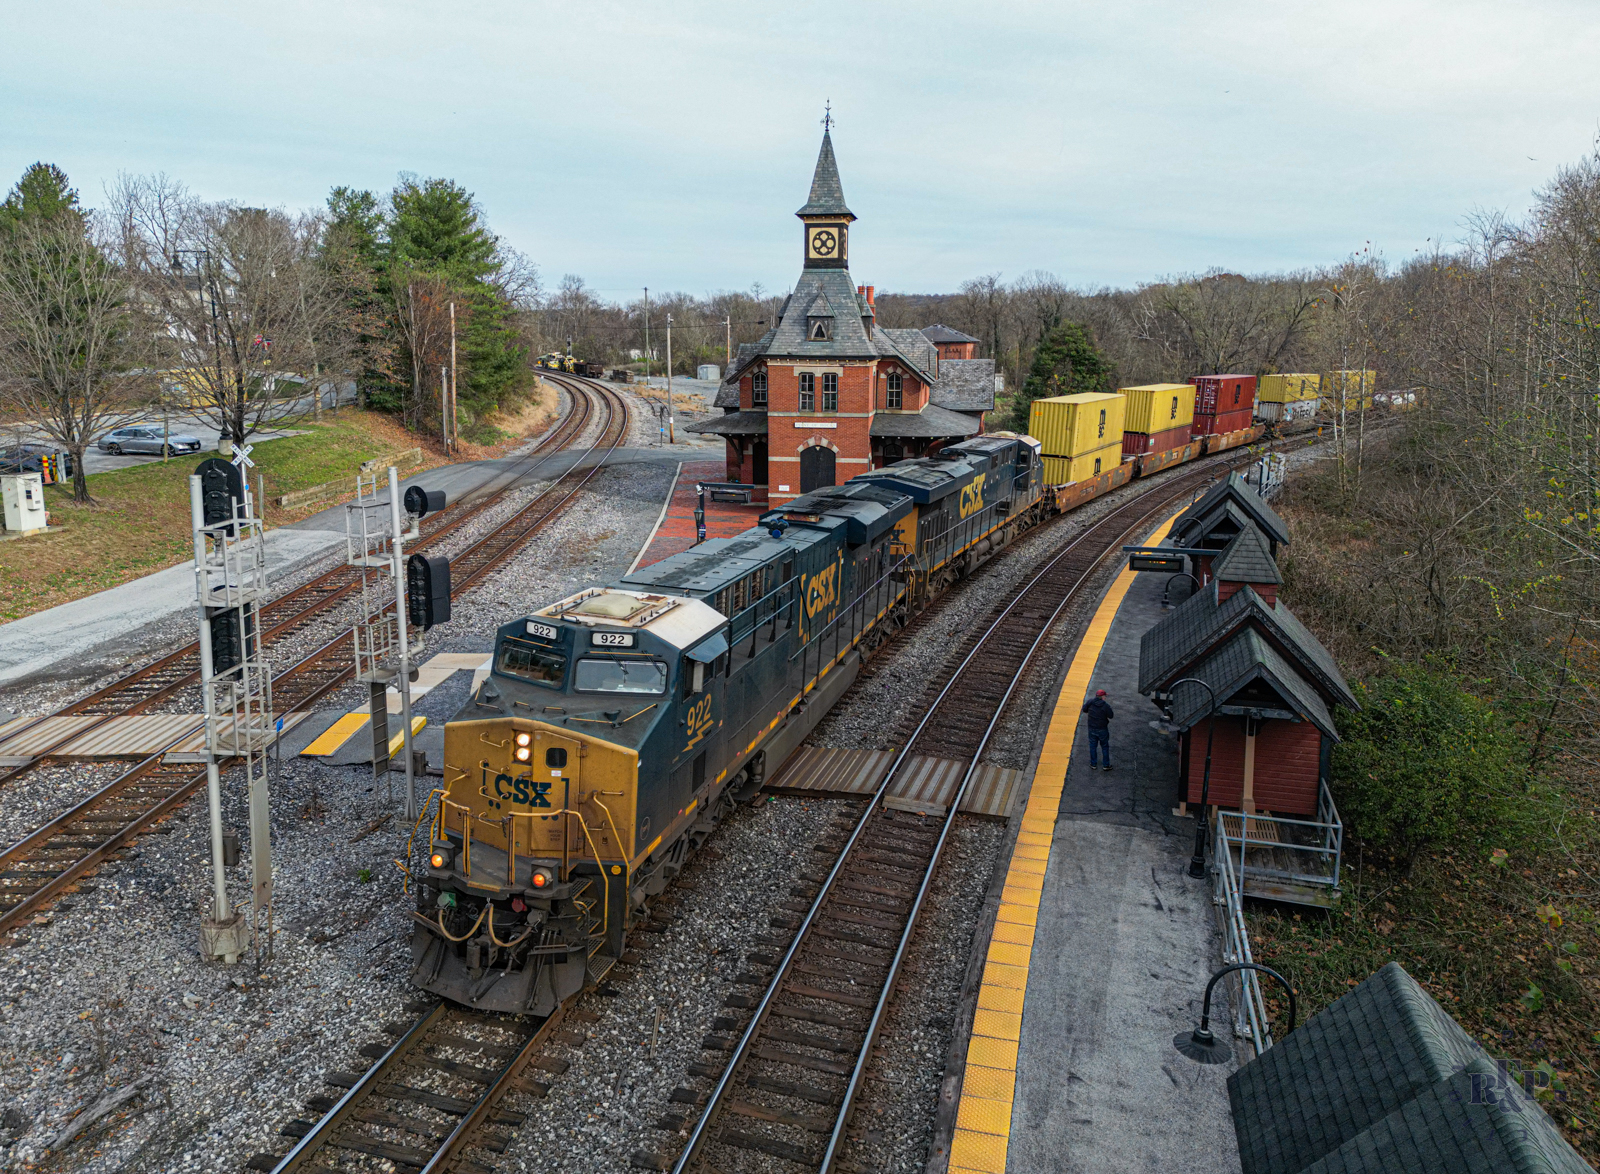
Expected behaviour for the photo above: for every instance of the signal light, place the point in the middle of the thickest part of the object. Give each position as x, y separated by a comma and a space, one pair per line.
421, 502
427, 590
221, 485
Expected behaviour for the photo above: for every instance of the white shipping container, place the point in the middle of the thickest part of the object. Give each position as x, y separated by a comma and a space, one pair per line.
709, 371
1303, 409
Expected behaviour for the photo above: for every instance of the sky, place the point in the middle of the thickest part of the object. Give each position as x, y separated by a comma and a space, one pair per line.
668, 146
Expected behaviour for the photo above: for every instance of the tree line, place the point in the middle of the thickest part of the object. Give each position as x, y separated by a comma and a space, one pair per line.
242, 314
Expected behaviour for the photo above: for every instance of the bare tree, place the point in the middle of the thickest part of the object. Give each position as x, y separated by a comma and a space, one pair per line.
422, 317
1223, 322
236, 304
63, 334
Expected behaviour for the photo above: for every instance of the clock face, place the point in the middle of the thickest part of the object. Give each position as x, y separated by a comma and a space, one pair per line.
825, 242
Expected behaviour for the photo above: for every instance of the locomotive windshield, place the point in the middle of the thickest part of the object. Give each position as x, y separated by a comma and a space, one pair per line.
621, 676
532, 664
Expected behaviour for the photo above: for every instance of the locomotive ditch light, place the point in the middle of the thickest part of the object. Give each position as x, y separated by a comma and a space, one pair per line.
442, 855
543, 878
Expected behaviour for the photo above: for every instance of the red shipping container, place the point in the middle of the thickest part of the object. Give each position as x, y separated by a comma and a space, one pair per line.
1216, 394
1136, 444
1209, 425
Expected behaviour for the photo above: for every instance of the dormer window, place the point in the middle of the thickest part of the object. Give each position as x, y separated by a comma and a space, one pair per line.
819, 329
758, 388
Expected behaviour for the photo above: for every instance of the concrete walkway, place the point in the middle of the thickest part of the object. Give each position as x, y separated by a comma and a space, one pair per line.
1110, 943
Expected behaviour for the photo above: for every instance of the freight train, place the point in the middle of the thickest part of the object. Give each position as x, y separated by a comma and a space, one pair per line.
619, 725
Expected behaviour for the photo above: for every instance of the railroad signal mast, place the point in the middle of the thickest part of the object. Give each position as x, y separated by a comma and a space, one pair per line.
236, 683
376, 531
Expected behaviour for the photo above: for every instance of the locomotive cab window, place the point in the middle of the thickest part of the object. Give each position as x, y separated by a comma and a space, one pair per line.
532, 664
597, 675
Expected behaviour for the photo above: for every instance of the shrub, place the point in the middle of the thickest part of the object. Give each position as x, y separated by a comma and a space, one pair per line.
1424, 762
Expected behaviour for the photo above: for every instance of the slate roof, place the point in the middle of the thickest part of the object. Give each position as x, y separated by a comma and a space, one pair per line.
966, 385
1245, 559
1385, 1080
930, 422
1232, 488
1240, 661
1200, 624
938, 332
728, 392
749, 422
916, 349
827, 194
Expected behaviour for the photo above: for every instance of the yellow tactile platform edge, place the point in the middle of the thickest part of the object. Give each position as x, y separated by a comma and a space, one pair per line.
983, 1119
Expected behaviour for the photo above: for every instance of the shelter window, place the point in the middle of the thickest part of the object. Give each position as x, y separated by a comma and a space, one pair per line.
896, 389
830, 392
758, 388
596, 675
808, 392
532, 664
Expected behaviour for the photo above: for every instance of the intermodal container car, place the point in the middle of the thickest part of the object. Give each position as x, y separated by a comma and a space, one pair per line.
1070, 425
1288, 389
1356, 386
1222, 422
1156, 407
1214, 394
1066, 470
1136, 444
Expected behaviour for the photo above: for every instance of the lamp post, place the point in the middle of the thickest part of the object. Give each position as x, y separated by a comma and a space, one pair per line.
1201, 1044
1166, 591
1197, 862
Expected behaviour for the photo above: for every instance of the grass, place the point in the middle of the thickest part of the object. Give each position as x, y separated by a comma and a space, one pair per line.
138, 522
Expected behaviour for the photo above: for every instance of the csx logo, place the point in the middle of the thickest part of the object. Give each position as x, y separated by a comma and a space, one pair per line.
698, 719
504, 789
822, 591
972, 496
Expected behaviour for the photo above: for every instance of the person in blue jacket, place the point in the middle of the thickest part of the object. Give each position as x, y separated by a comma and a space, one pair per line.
1099, 715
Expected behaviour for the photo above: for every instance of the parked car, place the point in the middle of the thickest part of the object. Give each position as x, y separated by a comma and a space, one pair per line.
29, 458
146, 438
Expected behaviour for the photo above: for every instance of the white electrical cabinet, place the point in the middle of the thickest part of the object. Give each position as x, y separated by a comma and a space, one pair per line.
24, 502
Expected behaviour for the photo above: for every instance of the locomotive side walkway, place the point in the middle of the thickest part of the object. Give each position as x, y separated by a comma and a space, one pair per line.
1101, 949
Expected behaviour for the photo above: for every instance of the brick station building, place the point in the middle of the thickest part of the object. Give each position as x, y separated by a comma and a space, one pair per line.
827, 393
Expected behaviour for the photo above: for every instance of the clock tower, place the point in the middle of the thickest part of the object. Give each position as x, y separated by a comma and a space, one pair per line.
825, 216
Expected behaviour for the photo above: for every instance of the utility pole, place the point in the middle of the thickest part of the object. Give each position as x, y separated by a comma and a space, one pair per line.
671, 439
444, 407
647, 336
397, 553
450, 429
727, 353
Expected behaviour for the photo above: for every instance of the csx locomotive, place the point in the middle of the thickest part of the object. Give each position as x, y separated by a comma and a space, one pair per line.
618, 725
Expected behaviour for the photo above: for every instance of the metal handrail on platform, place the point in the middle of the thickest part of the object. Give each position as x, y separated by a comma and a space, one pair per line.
1249, 1008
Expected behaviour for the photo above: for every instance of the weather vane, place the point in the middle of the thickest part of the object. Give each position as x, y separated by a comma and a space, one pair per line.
827, 116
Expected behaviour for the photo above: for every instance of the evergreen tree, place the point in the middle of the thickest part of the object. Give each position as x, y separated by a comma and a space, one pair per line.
1066, 362
355, 250
41, 194
436, 230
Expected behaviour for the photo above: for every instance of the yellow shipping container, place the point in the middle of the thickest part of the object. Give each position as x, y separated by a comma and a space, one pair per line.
1067, 425
1288, 389
1066, 470
1156, 407
1357, 386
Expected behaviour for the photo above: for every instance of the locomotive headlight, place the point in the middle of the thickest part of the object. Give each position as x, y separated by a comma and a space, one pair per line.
523, 753
524, 739
543, 878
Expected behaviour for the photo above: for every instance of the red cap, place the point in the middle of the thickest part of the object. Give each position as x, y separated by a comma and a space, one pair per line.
1099, 692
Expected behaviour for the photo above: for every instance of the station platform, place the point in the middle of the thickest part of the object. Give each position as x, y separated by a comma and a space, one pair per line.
675, 531
1101, 948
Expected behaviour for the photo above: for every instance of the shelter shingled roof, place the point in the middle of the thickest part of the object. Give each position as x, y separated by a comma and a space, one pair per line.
1200, 624
930, 422
939, 332
1384, 1079
1232, 488
1246, 560
748, 422
1243, 659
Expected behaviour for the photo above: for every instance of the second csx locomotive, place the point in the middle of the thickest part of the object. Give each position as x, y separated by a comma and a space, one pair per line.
618, 725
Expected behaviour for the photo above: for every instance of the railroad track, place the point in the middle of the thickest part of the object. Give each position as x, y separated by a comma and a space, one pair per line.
286, 616
791, 1076
38, 868
430, 1096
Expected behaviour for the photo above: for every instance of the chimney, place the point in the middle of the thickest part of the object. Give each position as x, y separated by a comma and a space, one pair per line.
861, 291
871, 300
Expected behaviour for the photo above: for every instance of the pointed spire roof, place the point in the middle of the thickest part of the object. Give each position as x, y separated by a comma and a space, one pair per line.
1246, 559
827, 196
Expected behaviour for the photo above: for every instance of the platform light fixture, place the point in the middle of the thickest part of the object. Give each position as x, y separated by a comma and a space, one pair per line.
1201, 1045
1197, 862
